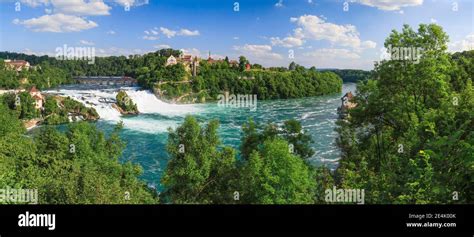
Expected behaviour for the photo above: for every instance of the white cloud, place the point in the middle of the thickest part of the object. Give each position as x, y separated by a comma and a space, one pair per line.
40, 53
151, 34
235, 38
279, 3
85, 42
202, 54
258, 52
115, 51
81, 7
169, 33
312, 27
331, 53
57, 23
287, 42
35, 3
172, 33
462, 45
111, 32
68, 15
192, 51
334, 58
186, 32
161, 46
148, 37
390, 5
368, 44
132, 3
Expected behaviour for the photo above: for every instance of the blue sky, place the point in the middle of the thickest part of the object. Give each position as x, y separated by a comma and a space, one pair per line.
315, 32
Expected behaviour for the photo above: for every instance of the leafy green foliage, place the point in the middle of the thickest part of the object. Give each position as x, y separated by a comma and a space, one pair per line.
57, 110
79, 166
273, 175
197, 168
266, 84
22, 105
291, 131
42, 76
350, 75
201, 171
410, 138
9, 122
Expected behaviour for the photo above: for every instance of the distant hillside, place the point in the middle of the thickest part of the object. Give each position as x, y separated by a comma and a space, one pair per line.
350, 75
32, 59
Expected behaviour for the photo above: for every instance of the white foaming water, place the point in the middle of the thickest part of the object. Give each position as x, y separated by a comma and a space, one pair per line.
149, 125
146, 101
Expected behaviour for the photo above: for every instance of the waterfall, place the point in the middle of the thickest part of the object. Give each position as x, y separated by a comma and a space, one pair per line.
147, 103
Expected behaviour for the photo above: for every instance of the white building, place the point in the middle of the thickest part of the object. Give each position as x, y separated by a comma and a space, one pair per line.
38, 97
171, 61
17, 65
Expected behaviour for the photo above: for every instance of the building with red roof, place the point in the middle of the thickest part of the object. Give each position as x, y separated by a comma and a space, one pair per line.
17, 65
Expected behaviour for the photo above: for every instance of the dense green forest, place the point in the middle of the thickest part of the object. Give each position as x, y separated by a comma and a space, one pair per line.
265, 83
350, 75
411, 137
270, 171
79, 165
211, 80
43, 75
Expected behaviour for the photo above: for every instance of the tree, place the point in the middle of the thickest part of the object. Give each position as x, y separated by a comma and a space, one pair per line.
50, 105
200, 171
408, 140
292, 66
294, 134
8, 122
250, 139
26, 106
242, 63
197, 170
291, 131
275, 176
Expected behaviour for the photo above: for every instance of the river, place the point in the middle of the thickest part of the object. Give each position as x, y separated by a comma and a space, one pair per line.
146, 133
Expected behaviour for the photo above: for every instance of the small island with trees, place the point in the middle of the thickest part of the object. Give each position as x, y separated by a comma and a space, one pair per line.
125, 104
